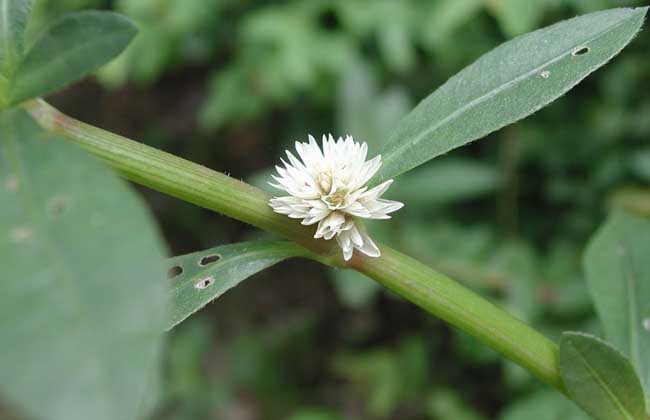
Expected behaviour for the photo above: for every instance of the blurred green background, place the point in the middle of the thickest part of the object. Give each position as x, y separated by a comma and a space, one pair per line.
231, 84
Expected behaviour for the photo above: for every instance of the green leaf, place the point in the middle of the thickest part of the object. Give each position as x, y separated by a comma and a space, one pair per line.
507, 84
82, 307
600, 379
69, 50
201, 277
14, 15
617, 263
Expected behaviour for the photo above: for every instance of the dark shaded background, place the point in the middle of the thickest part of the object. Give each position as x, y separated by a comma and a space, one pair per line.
231, 84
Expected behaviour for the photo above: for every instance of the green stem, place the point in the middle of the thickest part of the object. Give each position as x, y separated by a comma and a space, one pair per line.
174, 176
466, 310
409, 278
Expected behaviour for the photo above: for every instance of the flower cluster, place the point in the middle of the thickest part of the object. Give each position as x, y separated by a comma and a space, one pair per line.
328, 187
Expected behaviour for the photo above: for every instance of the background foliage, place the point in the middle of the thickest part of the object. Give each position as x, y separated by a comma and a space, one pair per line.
230, 84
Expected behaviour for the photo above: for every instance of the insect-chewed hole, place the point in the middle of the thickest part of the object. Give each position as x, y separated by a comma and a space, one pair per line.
204, 283
329, 20
58, 205
209, 259
646, 324
174, 272
12, 184
21, 234
580, 51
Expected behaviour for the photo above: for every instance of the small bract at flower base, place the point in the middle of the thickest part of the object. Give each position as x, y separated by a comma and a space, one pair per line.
328, 187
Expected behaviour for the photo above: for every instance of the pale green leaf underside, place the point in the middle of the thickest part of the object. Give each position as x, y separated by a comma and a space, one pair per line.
82, 307
600, 379
617, 263
70, 49
206, 275
507, 84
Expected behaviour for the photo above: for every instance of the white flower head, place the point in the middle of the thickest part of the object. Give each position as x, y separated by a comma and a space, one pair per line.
328, 187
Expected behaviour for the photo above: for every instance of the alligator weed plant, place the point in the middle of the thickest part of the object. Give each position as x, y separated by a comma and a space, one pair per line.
85, 295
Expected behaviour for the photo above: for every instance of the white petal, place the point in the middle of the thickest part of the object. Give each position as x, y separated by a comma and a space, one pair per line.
274, 185
391, 206
296, 163
284, 201
369, 247
329, 235
308, 155
344, 242
330, 226
358, 209
310, 220
355, 236
367, 171
377, 191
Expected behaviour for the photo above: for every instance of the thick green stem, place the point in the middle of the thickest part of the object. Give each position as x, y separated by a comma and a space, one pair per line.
174, 176
409, 278
464, 309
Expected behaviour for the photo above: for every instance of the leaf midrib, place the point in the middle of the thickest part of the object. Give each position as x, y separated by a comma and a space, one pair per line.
602, 384
630, 283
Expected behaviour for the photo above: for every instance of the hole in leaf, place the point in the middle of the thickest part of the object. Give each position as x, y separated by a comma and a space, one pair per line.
329, 20
21, 234
58, 206
545, 74
12, 184
204, 283
580, 51
174, 272
209, 259
646, 324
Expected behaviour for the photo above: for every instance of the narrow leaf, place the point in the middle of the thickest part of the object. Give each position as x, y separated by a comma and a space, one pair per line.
14, 15
72, 48
600, 379
82, 308
617, 263
199, 278
507, 84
